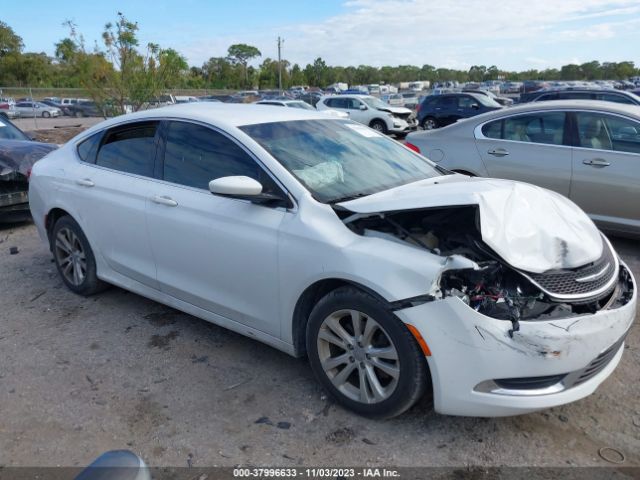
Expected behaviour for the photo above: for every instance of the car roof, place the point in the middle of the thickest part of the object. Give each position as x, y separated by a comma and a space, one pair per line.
226, 115
598, 105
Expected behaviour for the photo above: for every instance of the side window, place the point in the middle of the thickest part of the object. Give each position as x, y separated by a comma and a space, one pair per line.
605, 132
547, 128
577, 96
548, 96
130, 148
464, 101
88, 148
195, 155
448, 102
612, 97
337, 103
493, 129
354, 104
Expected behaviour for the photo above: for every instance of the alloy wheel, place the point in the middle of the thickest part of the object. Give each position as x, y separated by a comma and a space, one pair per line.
358, 356
70, 256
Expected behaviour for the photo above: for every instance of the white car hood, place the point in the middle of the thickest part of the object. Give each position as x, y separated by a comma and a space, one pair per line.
531, 228
398, 110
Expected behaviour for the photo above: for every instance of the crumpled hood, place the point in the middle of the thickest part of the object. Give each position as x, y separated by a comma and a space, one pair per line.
397, 110
531, 228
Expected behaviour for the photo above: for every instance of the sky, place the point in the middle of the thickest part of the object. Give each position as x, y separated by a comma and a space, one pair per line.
514, 35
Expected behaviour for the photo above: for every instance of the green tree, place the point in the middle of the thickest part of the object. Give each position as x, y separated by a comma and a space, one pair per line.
241, 53
10, 43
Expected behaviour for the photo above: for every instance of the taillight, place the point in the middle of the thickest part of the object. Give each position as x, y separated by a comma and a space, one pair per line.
29, 173
418, 108
412, 147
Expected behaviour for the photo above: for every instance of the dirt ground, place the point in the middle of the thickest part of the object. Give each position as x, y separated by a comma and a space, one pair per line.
79, 376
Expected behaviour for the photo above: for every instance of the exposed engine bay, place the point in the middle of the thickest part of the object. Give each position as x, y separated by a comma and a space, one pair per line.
493, 287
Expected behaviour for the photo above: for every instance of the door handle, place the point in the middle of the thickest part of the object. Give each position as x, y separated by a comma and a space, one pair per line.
164, 200
498, 152
596, 162
85, 182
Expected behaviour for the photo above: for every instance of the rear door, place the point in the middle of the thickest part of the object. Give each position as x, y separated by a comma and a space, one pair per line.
606, 169
532, 147
113, 194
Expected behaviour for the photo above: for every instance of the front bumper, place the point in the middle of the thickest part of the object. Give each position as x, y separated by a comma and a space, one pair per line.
399, 125
469, 351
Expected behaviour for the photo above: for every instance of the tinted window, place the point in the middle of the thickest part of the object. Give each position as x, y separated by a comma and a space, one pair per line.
548, 96
608, 133
337, 103
465, 101
87, 148
576, 96
612, 97
129, 149
545, 128
493, 129
448, 102
195, 155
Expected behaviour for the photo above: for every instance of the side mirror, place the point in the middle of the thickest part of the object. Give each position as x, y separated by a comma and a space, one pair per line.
246, 188
363, 107
237, 186
475, 106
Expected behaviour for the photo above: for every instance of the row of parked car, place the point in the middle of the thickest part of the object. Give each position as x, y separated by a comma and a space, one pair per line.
48, 107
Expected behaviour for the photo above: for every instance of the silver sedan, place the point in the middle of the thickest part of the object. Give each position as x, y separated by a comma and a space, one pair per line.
36, 109
588, 151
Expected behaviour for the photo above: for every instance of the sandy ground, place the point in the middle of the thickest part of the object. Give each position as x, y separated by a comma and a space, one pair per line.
79, 376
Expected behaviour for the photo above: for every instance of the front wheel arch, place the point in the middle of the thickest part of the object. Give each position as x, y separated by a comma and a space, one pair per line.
309, 298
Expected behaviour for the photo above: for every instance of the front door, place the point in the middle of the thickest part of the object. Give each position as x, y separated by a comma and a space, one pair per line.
214, 252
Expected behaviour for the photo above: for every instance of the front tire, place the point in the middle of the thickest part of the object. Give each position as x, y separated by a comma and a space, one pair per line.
379, 125
46, 114
364, 355
74, 258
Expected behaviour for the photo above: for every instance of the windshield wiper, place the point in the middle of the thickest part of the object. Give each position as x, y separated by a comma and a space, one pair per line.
348, 197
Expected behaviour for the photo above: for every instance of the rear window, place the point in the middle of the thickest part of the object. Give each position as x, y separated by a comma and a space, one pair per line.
130, 149
87, 148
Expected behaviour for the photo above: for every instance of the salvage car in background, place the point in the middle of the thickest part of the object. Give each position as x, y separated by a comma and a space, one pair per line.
615, 96
440, 110
371, 111
586, 150
18, 153
392, 274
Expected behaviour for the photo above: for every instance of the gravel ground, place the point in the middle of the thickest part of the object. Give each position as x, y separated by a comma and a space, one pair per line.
79, 376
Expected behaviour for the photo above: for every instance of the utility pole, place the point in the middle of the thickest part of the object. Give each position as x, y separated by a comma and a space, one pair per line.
280, 42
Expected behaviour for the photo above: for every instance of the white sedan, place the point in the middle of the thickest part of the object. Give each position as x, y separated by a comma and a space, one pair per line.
302, 105
322, 237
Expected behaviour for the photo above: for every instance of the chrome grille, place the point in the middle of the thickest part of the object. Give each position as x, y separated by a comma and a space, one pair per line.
576, 282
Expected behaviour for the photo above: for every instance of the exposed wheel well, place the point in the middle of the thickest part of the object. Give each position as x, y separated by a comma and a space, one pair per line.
377, 120
51, 219
308, 300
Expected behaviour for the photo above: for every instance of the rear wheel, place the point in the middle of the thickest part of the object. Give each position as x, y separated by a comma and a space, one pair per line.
79, 114
74, 258
429, 123
379, 125
364, 355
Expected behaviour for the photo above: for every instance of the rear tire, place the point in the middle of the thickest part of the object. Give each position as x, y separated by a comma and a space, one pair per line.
74, 258
379, 125
365, 356
79, 114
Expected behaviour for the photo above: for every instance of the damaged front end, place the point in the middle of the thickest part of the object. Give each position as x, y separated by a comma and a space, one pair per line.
474, 273
16, 160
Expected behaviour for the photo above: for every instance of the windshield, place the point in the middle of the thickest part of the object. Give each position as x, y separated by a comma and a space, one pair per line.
8, 131
337, 160
486, 101
374, 102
